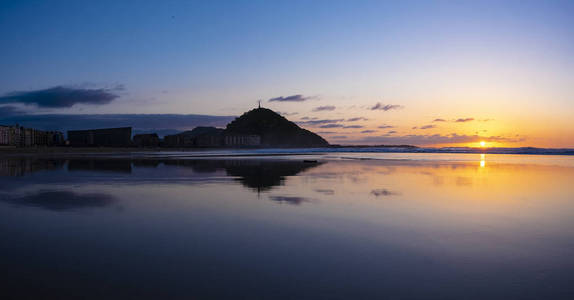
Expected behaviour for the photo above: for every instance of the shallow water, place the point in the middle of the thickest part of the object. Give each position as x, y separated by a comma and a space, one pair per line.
350, 226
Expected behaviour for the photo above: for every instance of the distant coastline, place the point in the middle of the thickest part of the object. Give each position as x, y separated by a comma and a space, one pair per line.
288, 151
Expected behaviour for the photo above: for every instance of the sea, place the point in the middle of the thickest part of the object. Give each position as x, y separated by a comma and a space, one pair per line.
353, 223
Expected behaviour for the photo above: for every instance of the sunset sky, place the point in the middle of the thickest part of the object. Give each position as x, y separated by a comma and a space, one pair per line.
444, 73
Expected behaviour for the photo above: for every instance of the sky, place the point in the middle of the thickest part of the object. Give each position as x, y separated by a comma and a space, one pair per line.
427, 73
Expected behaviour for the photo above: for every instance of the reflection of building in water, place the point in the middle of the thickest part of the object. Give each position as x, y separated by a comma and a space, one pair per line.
17, 136
115, 137
103, 165
259, 175
23, 166
19, 166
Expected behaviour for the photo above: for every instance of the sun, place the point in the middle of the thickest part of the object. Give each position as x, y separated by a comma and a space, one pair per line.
482, 144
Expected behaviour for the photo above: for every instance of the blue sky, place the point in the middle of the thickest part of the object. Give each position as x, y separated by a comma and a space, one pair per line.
509, 61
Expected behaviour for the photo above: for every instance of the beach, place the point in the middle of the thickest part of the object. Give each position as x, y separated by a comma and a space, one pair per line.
307, 226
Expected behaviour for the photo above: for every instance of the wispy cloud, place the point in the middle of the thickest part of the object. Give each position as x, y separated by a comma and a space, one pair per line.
331, 126
427, 127
386, 107
325, 108
436, 139
357, 119
62, 97
9, 111
353, 126
322, 121
384, 126
368, 131
287, 113
463, 120
292, 98
326, 132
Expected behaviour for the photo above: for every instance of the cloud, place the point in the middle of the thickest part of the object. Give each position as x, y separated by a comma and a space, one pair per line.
368, 131
325, 108
160, 123
384, 126
353, 126
293, 98
319, 122
462, 120
331, 126
435, 139
357, 119
339, 137
6, 111
326, 132
62, 97
287, 113
386, 107
392, 132
427, 127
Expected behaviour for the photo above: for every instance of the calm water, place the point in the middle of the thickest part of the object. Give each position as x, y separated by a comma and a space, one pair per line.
352, 226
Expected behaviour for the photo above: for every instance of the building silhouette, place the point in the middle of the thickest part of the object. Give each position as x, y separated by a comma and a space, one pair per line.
146, 140
17, 136
108, 137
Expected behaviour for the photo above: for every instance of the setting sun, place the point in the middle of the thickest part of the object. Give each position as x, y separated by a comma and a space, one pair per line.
482, 144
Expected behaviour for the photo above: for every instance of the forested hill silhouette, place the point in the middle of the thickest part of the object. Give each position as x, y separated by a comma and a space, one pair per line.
274, 130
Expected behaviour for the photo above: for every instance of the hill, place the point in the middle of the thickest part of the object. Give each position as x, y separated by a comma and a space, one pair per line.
274, 130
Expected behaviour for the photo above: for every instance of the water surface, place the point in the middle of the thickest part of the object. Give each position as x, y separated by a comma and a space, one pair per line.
351, 226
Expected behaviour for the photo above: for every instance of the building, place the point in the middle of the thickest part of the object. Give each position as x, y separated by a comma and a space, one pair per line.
17, 136
202, 137
146, 140
11, 136
58, 138
242, 140
6, 136
109, 137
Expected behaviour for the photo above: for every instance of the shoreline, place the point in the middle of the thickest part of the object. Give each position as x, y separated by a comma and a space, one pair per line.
215, 152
